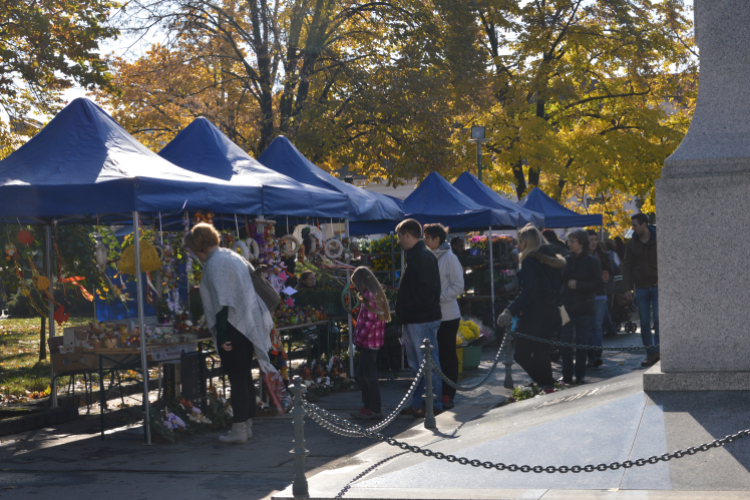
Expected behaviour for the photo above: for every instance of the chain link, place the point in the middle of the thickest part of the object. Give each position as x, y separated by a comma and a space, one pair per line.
320, 415
557, 343
463, 388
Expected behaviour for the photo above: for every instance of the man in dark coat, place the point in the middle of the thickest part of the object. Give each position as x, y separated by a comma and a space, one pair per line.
418, 308
582, 277
640, 270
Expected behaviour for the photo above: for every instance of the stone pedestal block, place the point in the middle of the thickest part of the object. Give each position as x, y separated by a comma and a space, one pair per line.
703, 206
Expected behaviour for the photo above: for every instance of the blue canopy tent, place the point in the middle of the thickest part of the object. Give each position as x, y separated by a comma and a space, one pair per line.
435, 200
283, 157
201, 147
83, 163
483, 195
556, 215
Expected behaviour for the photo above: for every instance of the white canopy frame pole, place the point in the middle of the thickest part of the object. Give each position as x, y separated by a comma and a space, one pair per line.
492, 274
349, 313
141, 324
50, 305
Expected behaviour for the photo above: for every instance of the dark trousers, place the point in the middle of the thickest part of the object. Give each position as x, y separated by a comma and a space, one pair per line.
577, 331
534, 358
367, 378
237, 366
446, 337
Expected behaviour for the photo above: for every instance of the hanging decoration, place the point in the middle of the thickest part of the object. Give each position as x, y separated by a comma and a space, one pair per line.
149, 259
291, 245
24, 237
333, 248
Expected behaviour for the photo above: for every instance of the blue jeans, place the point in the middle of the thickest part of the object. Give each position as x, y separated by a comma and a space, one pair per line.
577, 331
597, 335
647, 300
414, 335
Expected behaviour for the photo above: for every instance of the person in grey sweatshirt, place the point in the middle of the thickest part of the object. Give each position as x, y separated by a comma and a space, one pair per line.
451, 285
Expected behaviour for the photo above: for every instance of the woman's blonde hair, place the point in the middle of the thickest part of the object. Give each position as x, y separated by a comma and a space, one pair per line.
363, 279
533, 238
202, 237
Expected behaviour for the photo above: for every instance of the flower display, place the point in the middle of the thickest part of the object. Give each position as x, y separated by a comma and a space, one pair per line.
468, 331
174, 422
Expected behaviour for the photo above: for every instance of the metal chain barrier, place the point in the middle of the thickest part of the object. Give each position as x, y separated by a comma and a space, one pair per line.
318, 414
557, 343
387, 421
469, 388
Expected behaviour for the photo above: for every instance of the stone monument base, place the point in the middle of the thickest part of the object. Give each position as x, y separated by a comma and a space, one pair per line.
654, 380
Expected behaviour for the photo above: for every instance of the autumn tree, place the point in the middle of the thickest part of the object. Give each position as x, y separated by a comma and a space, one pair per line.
584, 97
44, 47
345, 80
160, 93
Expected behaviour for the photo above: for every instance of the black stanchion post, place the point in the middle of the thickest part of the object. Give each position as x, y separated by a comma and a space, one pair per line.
429, 419
299, 487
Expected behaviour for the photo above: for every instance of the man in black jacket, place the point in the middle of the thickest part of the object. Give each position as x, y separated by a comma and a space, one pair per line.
418, 308
582, 277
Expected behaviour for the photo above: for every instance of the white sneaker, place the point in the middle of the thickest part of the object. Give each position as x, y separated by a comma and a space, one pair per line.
238, 434
249, 427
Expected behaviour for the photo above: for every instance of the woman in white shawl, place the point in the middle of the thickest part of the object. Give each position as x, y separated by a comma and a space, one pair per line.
238, 319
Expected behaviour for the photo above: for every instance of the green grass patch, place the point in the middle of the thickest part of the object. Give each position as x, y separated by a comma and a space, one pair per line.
22, 375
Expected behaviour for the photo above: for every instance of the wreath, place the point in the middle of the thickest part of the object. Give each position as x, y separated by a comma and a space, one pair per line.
333, 254
296, 245
241, 248
254, 249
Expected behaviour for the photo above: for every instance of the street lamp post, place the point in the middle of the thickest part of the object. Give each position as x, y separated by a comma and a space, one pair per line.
477, 137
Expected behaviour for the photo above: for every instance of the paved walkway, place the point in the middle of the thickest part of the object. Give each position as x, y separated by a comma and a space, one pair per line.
70, 460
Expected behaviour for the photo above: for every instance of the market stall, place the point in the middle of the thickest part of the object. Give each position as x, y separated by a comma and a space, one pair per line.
83, 164
203, 148
281, 156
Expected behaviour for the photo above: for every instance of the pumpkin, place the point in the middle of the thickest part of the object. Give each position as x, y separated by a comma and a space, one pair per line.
149, 259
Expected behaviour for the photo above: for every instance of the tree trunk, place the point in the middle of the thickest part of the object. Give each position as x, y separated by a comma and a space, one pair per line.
520, 179
265, 77
43, 340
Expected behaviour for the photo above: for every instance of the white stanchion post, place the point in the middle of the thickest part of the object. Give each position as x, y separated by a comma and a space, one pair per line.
141, 323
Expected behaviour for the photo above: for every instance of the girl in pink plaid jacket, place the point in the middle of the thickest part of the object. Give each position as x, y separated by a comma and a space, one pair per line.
368, 338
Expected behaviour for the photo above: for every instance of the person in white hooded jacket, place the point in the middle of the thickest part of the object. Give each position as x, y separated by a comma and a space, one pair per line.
451, 285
